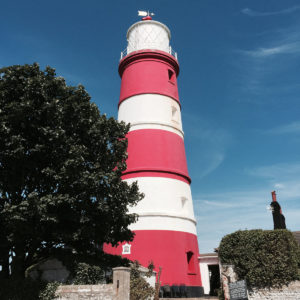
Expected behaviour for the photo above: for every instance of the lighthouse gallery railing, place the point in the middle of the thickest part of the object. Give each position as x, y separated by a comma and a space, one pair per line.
170, 51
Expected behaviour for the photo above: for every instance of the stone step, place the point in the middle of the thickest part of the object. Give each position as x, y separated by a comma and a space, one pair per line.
202, 298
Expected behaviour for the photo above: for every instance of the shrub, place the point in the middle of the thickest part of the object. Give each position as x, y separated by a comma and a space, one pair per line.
220, 292
27, 289
264, 258
48, 293
88, 274
140, 289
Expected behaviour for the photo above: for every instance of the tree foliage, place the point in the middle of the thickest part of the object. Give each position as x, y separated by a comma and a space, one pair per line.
60, 171
264, 258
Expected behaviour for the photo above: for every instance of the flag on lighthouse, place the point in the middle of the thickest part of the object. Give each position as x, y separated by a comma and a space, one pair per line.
143, 13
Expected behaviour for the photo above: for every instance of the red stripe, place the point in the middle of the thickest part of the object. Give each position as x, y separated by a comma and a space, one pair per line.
156, 150
148, 72
167, 249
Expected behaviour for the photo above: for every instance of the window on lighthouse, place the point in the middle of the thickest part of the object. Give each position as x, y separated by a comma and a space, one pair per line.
183, 201
184, 206
175, 114
171, 76
191, 262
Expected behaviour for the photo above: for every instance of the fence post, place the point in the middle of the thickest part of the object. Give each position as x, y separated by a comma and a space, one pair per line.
121, 283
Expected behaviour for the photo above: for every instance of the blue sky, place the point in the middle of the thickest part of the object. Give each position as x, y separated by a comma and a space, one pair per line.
239, 87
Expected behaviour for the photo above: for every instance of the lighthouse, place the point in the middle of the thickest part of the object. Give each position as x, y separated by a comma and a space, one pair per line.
165, 232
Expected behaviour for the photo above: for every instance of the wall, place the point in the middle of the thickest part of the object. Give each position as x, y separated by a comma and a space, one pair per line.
91, 292
290, 292
205, 261
119, 290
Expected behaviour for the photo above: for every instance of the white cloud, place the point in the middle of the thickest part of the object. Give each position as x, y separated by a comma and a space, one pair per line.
211, 141
215, 161
290, 128
277, 172
220, 204
260, 67
252, 13
284, 177
289, 48
279, 186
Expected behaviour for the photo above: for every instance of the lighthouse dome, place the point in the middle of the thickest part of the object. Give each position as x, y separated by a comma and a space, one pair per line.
148, 34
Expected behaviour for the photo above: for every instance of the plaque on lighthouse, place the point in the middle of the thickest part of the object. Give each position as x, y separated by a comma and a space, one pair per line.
126, 249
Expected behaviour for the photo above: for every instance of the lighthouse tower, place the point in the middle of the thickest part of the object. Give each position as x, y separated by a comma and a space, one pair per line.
165, 232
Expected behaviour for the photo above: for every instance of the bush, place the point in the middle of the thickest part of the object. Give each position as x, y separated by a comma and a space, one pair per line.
82, 271
27, 289
86, 270
48, 293
220, 292
88, 274
264, 258
140, 289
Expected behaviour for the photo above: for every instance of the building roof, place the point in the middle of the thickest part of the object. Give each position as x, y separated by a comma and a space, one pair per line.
203, 255
297, 236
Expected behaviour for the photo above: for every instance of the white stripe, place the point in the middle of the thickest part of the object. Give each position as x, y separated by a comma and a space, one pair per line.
167, 205
164, 223
151, 111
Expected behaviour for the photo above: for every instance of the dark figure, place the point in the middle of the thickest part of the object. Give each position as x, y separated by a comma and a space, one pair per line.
278, 217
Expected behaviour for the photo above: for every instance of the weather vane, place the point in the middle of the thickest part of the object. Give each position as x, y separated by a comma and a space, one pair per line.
143, 13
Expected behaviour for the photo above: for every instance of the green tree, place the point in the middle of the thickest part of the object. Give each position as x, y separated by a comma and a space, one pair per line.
60, 171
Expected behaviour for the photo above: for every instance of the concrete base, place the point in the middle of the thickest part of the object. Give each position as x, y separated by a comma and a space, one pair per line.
201, 298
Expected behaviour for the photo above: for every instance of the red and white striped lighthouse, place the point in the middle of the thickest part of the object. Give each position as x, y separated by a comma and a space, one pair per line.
166, 229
